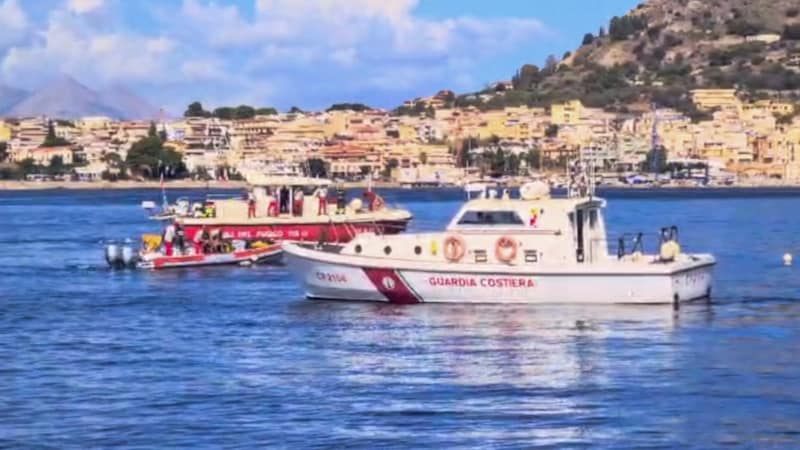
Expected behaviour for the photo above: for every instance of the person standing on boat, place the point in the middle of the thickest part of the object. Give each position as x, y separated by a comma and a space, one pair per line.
251, 205
297, 207
200, 240
180, 238
322, 195
169, 236
284, 200
341, 198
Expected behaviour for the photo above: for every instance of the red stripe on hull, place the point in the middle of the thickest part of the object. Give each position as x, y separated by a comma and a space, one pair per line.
389, 283
334, 233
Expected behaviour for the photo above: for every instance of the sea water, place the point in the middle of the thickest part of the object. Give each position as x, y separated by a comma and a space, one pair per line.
234, 357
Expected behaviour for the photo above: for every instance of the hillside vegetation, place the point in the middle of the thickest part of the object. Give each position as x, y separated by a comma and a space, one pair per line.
661, 50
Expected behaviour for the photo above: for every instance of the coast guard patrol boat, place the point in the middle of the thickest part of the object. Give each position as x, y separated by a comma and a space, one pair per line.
498, 249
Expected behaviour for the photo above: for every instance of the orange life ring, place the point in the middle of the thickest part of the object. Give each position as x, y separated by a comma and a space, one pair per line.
454, 248
505, 250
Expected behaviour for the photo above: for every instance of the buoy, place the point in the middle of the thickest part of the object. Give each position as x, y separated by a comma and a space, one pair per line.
787, 259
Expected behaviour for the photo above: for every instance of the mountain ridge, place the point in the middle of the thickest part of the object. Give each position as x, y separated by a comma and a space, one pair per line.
64, 97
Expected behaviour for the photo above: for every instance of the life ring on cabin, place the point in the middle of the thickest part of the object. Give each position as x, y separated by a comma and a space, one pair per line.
454, 248
505, 249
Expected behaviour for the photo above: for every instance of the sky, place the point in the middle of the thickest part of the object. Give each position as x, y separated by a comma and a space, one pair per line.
283, 53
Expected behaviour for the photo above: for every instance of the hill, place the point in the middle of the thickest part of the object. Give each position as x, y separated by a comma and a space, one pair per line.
662, 49
128, 103
9, 96
66, 98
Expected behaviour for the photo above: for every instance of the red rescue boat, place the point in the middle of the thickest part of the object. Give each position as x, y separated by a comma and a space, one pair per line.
158, 260
296, 209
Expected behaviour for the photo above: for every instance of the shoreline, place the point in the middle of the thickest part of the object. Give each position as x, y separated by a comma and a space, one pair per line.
14, 185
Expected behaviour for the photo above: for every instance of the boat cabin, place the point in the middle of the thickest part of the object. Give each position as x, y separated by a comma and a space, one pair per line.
531, 229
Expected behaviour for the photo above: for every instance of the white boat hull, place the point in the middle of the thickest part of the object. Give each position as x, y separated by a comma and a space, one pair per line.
331, 280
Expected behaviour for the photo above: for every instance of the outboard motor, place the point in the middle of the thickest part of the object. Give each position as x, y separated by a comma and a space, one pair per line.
128, 255
114, 255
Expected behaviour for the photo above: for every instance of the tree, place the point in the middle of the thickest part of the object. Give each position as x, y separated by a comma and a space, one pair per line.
601, 33
224, 113
551, 65
465, 153
51, 140
28, 166
195, 109
149, 157
743, 27
244, 112
115, 163
57, 166
317, 168
3, 151
296, 110
533, 158
152, 132
551, 131
423, 158
656, 161
268, 111
348, 107
527, 77
588, 38
621, 28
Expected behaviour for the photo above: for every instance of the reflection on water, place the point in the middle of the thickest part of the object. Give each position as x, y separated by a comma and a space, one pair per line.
235, 357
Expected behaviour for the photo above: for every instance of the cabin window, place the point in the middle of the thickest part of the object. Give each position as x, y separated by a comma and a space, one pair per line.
387, 250
490, 218
592, 218
418, 250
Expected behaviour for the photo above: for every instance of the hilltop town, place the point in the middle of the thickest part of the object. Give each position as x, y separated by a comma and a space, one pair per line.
675, 91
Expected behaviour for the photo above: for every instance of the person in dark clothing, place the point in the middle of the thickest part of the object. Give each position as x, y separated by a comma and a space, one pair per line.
284, 199
341, 199
180, 238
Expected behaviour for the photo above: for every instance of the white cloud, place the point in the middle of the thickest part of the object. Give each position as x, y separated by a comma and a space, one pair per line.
203, 69
84, 6
68, 45
285, 51
13, 22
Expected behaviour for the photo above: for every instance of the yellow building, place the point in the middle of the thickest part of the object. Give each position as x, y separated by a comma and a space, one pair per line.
708, 99
567, 113
5, 131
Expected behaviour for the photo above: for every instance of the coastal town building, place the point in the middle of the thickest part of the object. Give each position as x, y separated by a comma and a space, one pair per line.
750, 139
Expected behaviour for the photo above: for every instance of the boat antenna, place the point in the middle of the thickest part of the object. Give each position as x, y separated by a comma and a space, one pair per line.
164, 202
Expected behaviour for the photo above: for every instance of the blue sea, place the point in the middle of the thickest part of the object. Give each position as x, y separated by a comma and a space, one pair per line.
237, 358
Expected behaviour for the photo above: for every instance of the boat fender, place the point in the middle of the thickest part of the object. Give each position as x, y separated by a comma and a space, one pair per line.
356, 205
669, 251
454, 248
434, 248
505, 249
